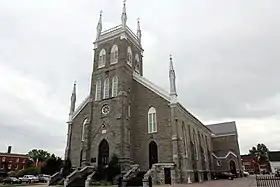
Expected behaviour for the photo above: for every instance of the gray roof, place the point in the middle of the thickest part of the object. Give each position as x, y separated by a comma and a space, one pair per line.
223, 128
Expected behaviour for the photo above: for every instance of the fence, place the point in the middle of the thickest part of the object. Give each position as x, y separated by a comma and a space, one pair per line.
267, 181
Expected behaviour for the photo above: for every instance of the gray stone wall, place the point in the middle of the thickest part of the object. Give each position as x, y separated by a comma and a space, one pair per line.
142, 100
197, 133
76, 135
224, 144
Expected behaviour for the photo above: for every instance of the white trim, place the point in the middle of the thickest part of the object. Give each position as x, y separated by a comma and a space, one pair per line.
80, 107
222, 135
148, 84
224, 157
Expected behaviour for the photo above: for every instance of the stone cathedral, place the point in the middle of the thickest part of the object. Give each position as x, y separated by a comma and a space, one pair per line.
128, 115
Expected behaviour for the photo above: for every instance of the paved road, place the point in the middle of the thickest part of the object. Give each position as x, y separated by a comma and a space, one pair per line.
239, 182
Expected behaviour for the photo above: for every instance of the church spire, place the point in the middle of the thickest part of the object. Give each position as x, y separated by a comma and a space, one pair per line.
172, 80
73, 101
139, 35
124, 16
99, 26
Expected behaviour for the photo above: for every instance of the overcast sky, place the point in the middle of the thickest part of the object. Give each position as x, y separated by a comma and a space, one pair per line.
226, 56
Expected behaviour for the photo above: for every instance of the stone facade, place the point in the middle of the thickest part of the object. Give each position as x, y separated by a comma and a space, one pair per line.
179, 141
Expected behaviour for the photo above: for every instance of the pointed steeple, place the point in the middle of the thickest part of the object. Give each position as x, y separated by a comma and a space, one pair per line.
99, 26
73, 101
172, 80
124, 16
139, 35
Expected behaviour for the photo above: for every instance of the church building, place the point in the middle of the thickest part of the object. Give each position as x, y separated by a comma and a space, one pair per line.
127, 115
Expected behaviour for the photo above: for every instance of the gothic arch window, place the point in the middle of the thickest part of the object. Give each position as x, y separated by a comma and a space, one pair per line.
102, 58
137, 63
129, 56
185, 139
195, 143
114, 54
106, 88
152, 120
83, 130
115, 82
98, 90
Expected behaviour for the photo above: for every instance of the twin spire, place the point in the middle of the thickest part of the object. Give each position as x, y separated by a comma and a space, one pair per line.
124, 21
172, 81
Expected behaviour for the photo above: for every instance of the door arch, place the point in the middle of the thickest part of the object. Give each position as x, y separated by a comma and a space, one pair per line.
103, 153
232, 167
153, 153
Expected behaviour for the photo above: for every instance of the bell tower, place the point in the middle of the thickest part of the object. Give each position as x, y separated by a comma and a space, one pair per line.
117, 56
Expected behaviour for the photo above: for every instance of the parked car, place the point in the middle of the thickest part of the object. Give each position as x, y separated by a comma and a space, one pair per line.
11, 180
224, 175
44, 178
246, 174
29, 179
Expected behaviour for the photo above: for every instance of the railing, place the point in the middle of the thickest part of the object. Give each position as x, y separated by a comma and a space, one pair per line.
267, 181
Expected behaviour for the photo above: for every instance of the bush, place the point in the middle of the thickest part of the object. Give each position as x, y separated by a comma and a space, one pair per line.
27, 171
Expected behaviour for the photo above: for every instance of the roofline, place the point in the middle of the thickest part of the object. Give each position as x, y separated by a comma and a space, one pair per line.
224, 157
13, 155
151, 86
185, 110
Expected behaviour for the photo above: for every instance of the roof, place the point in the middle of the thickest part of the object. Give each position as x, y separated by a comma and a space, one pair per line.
223, 128
151, 86
274, 156
13, 155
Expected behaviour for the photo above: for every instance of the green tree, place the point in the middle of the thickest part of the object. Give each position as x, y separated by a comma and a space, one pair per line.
53, 165
260, 152
38, 154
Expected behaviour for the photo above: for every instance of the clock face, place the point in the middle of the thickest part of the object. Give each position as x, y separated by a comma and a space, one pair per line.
105, 109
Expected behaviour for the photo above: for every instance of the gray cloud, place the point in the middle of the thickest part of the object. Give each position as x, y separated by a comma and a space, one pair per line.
225, 55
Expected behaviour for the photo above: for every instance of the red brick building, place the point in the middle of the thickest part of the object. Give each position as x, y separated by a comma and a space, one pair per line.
250, 164
12, 161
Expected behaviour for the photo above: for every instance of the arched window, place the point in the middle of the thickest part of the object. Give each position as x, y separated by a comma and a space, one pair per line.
114, 54
83, 130
102, 58
137, 63
115, 82
184, 131
106, 89
152, 120
195, 143
98, 90
129, 56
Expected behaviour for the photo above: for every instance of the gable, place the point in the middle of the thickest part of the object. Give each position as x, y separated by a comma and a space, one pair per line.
151, 86
81, 107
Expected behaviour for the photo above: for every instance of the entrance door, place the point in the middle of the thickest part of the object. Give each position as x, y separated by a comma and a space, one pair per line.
232, 167
167, 175
103, 153
153, 153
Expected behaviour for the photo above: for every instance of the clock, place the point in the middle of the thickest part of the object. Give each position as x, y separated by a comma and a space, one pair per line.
105, 109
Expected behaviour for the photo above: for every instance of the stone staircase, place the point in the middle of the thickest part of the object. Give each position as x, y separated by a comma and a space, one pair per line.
55, 178
78, 178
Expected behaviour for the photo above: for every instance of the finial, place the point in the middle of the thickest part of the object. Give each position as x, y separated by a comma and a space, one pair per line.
75, 82
139, 35
124, 16
101, 12
170, 57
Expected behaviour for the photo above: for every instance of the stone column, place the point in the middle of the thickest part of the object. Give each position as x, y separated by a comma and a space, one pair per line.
174, 127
